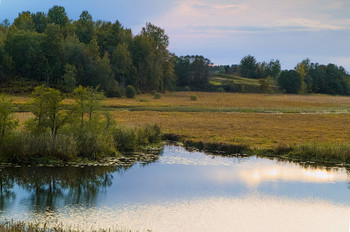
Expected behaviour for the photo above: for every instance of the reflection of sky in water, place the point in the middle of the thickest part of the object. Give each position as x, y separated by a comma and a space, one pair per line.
250, 213
195, 192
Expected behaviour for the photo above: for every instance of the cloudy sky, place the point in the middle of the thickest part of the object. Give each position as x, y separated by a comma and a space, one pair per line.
226, 30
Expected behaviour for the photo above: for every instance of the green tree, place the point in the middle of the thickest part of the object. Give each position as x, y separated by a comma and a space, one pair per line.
24, 50
88, 102
192, 71
162, 69
7, 121
122, 65
248, 67
24, 21
85, 27
109, 35
40, 21
273, 69
47, 108
290, 81
303, 68
143, 53
58, 15
52, 48
70, 77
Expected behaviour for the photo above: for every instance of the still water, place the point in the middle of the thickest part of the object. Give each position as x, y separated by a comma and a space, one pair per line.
181, 191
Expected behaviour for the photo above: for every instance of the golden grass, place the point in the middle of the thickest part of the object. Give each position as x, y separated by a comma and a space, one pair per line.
276, 102
238, 100
254, 129
258, 130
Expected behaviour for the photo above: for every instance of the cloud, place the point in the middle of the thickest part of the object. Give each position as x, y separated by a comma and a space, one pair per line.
308, 24
252, 16
226, 30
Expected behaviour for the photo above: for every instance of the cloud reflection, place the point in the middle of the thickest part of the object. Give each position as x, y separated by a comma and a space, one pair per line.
258, 175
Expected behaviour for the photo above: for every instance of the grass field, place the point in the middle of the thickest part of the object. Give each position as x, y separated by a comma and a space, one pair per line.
258, 121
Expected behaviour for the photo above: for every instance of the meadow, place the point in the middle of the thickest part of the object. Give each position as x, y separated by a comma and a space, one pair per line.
265, 122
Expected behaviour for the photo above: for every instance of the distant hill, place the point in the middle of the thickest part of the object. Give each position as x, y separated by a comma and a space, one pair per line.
232, 83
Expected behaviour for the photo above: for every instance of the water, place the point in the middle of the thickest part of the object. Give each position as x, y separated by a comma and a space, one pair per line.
181, 191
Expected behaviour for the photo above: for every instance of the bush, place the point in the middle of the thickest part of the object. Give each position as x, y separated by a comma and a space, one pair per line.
128, 139
157, 96
94, 143
220, 90
124, 138
187, 88
150, 134
142, 100
130, 91
193, 97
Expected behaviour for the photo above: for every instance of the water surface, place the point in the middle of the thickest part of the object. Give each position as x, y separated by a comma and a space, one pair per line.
181, 191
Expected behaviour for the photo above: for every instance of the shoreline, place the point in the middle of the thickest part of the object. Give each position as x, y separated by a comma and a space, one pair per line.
151, 154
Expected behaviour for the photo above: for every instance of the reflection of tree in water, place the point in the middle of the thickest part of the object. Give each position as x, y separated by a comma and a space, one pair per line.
6, 194
50, 187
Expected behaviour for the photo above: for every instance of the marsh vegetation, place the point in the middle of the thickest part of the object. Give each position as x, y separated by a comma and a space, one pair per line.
78, 131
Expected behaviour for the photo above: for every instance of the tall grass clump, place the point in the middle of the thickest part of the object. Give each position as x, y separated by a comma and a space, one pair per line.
193, 97
128, 139
322, 152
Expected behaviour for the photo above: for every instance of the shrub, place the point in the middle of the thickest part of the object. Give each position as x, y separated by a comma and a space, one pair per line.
187, 88
124, 138
157, 96
130, 91
7, 121
150, 134
193, 97
220, 90
143, 100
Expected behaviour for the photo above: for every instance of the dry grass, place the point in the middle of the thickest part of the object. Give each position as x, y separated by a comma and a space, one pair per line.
253, 129
259, 130
277, 102
238, 100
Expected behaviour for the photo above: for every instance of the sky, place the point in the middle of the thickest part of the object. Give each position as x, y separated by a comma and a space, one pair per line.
226, 30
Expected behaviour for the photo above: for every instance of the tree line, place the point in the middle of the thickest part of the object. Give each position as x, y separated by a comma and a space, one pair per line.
63, 53
306, 77
51, 48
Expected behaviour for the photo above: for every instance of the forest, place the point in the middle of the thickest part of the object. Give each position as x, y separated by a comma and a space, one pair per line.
52, 49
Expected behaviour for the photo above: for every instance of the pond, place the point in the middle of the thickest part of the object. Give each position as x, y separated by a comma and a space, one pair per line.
181, 191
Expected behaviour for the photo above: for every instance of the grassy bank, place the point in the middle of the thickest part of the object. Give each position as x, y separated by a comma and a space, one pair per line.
258, 123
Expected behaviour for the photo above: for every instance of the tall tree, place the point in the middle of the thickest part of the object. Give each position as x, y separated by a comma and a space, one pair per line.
85, 27
24, 21
162, 55
273, 69
54, 53
40, 21
248, 67
290, 81
192, 71
58, 15
122, 65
